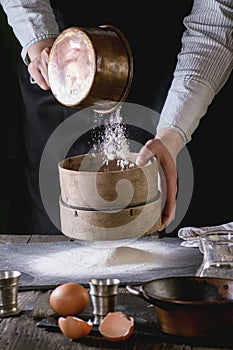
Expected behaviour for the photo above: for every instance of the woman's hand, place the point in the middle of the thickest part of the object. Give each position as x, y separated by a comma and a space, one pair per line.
39, 58
165, 147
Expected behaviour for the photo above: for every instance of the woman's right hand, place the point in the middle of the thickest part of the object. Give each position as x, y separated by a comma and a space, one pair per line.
165, 147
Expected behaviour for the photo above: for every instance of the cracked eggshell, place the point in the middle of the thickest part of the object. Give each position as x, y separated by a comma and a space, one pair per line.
116, 326
74, 327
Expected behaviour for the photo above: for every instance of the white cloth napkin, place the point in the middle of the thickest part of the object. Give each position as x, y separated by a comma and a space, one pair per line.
190, 234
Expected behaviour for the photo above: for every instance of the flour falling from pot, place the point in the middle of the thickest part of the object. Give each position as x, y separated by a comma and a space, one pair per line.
112, 143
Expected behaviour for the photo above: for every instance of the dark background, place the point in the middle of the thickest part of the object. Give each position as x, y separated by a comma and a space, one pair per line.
211, 148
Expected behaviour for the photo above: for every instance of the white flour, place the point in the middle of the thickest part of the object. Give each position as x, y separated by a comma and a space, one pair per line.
114, 144
52, 263
84, 260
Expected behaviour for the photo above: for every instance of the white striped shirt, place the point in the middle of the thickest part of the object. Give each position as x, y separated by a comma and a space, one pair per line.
203, 66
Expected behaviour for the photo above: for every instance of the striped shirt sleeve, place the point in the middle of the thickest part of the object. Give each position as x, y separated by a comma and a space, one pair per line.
31, 21
204, 64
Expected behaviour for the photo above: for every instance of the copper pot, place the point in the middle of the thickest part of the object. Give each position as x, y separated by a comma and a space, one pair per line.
91, 67
190, 306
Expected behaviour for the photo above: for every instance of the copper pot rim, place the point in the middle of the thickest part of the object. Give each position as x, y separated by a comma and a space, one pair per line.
130, 72
160, 301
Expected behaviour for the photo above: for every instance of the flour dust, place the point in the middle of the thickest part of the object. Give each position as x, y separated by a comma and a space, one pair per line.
111, 141
141, 255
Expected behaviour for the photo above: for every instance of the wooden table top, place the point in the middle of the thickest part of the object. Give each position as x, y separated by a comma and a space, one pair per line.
22, 331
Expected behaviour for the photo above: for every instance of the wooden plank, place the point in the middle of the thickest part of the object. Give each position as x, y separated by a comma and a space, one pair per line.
11, 238
42, 308
48, 238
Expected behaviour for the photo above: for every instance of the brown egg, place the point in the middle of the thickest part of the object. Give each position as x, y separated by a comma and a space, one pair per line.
69, 299
74, 327
116, 326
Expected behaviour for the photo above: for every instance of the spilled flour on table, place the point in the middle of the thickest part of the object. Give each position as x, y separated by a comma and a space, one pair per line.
52, 263
84, 260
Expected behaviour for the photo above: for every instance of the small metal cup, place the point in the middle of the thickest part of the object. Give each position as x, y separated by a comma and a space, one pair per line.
103, 292
9, 281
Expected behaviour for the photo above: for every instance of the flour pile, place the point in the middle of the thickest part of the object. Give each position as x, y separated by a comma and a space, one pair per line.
83, 260
54, 263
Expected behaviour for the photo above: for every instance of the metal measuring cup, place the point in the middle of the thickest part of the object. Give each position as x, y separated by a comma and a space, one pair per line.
103, 292
9, 281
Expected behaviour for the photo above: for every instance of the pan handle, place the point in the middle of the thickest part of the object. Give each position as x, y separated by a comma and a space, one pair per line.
138, 293
133, 290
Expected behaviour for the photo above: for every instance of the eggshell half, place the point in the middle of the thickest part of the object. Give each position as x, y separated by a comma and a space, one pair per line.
74, 327
116, 326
